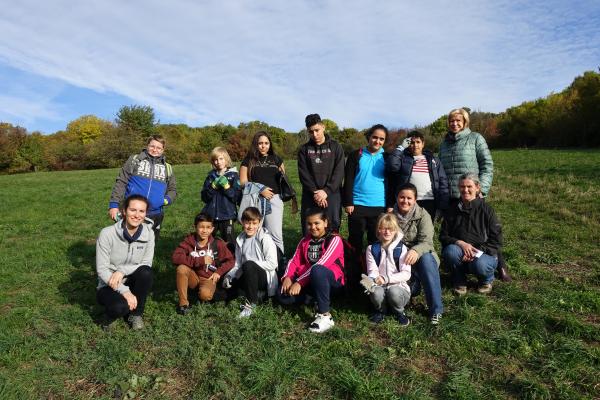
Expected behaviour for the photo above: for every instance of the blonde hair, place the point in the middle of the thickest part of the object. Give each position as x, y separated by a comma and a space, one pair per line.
389, 220
459, 111
220, 151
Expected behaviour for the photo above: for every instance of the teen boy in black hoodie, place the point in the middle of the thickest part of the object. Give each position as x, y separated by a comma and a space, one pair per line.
321, 170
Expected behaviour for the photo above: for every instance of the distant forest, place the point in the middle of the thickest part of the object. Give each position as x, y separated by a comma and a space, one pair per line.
570, 118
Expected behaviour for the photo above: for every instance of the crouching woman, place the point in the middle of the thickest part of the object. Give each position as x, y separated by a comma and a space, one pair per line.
471, 237
124, 253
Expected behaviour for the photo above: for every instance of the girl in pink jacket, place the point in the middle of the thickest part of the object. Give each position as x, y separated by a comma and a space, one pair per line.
389, 272
316, 269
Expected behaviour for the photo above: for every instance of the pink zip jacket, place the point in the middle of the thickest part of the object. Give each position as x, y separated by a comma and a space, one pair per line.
332, 258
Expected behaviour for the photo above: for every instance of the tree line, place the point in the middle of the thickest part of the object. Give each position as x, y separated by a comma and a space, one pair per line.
570, 118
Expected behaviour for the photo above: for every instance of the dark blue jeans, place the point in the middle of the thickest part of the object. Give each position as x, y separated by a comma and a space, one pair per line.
322, 284
483, 267
426, 272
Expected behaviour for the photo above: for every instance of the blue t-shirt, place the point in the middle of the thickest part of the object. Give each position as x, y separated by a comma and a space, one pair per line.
369, 182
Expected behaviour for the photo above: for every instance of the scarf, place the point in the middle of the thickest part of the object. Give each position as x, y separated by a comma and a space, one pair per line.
405, 219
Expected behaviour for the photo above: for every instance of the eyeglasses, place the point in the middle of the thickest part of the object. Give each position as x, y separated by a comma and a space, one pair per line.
155, 147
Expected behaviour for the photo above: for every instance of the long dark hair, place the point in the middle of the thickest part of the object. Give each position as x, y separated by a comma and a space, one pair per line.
253, 154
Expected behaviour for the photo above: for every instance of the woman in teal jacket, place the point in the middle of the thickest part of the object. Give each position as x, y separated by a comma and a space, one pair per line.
465, 151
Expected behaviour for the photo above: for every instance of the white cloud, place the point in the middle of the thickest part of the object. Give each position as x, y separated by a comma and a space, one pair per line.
355, 62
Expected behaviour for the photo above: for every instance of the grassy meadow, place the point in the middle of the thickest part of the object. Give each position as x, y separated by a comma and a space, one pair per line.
537, 337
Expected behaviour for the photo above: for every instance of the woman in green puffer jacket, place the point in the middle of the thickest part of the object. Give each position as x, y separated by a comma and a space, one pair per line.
465, 151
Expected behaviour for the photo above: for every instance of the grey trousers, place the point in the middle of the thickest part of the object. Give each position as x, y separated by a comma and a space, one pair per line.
274, 221
394, 296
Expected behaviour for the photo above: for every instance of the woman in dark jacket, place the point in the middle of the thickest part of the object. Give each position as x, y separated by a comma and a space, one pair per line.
471, 237
413, 164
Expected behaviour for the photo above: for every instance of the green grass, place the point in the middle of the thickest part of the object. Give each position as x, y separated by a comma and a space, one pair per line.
535, 338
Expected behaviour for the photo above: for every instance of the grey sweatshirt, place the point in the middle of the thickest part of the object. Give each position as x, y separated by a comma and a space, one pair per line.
115, 253
262, 250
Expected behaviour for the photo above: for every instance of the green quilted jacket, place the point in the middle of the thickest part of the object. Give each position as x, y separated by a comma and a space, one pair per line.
466, 152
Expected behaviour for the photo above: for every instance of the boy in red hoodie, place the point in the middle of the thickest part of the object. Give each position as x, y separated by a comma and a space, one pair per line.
201, 261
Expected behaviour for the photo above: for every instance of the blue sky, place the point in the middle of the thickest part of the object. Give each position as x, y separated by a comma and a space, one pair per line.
400, 63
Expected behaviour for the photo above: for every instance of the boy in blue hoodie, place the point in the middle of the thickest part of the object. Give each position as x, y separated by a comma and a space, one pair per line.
221, 193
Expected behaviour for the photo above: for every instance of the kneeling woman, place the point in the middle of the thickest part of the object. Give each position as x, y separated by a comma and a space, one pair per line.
317, 267
471, 237
124, 253
418, 230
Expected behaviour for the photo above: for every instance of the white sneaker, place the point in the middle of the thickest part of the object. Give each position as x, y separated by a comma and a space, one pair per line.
321, 323
247, 310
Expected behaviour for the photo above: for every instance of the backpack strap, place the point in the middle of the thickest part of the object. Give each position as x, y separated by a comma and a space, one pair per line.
376, 252
215, 252
169, 169
397, 254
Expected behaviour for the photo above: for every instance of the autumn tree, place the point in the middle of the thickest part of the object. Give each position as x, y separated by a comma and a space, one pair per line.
88, 128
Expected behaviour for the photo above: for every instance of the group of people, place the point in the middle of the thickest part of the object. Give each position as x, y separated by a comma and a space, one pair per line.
392, 197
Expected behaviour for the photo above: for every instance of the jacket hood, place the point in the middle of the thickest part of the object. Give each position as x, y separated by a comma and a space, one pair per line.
229, 170
146, 228
260, 233
397, 239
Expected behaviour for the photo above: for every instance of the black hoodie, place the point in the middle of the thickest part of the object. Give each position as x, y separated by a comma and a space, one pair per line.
321, 166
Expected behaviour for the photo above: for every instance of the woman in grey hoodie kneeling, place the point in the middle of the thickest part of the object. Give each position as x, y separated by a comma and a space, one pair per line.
124, 253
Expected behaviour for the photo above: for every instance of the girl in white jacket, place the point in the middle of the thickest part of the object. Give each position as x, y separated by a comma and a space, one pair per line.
389, 272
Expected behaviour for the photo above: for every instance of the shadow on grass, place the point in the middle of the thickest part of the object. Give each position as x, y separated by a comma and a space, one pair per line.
80, 288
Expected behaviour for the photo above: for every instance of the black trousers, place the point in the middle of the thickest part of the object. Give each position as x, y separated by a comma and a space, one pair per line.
139, 284
253, 279
363, 219
157, 219
334, 209
429, 206
224, 230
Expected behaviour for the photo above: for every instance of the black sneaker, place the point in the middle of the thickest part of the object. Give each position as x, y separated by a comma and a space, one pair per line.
108, 325
377, 317
402, 319
184, 310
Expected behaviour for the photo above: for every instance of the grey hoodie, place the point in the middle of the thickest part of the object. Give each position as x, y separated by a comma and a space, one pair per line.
115, 253
263, 253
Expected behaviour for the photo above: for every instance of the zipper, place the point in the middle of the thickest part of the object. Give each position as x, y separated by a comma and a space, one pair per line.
151, 178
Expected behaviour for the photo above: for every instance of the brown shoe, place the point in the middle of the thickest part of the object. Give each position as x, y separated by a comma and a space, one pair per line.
460, 290
503, 274
485, 288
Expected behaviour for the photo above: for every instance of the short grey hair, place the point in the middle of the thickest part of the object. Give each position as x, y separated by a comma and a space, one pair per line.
472, 176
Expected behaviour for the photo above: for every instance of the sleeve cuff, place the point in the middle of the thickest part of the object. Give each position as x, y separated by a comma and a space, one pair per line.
113, 204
